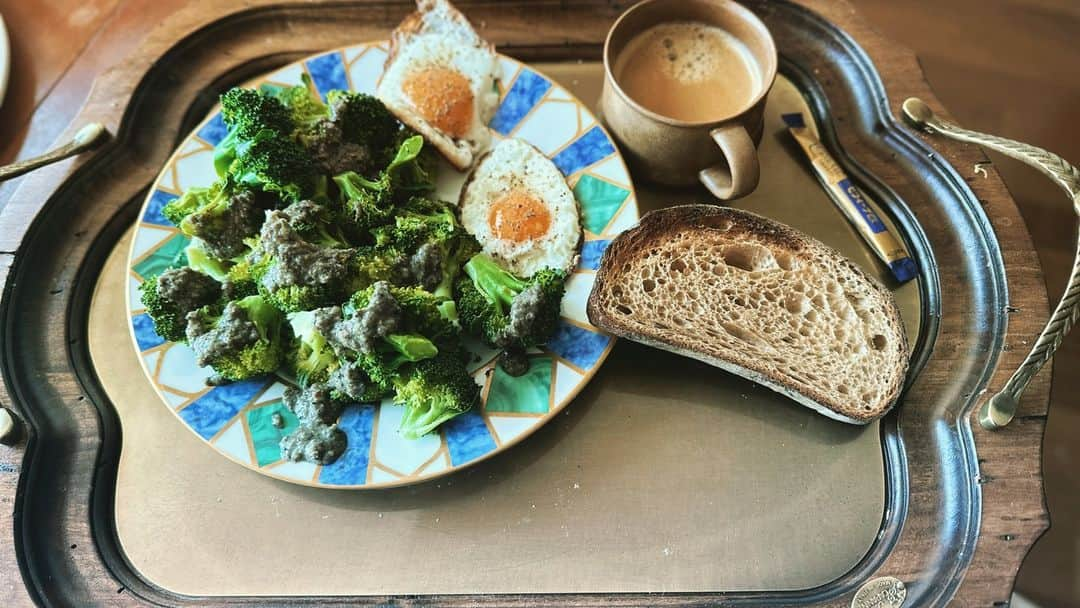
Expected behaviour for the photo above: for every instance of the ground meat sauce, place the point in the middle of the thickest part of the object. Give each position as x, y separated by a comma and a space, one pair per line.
361, 331
187, 289
313, 404
319, 444
325, 320
223, 233
514, 361
349, 380
327, 145
425, 266
401, 271
232, 332
317, 439
524, 310
304, 213
297, 261
196, 325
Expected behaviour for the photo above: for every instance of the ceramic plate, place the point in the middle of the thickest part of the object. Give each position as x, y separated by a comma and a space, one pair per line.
235, 419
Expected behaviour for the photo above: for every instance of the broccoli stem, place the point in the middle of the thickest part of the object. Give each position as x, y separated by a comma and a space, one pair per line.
497, 285
202, 261
413, 347
417, 422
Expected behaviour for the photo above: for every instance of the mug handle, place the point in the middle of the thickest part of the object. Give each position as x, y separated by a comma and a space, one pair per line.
740, 175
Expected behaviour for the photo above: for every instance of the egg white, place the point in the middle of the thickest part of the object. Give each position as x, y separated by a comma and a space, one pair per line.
478, 64
513, 164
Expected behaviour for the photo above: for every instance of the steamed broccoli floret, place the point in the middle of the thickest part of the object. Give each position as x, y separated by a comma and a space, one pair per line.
311, 357
203, 261
373, 263
315, 224
384, 363
324, 351
274, 163
305, 107
293, 298
434, 391
381, 370
422, 312
224, 224
365, 120
419, 221
418, 177
364, 203
370, 336
242, 342
351, 132
317, 357
294, 274
506, 311
192, 200
322, 275
428, 313
238, 281
438, 242
169, 321
246, 112
350, 382
367, 203
170, 296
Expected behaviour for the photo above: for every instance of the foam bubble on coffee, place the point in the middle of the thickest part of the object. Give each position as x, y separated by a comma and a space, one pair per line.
688, 70
693, 50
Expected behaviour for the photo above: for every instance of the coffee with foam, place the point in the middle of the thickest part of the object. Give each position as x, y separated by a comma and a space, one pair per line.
688, 71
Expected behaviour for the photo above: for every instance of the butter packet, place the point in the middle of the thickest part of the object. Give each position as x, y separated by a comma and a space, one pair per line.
852, 202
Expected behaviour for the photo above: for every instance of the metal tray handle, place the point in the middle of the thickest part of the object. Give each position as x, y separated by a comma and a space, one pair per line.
999, 410
86, 138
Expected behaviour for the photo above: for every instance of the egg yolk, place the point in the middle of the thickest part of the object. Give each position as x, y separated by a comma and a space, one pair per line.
518, 217
443, 97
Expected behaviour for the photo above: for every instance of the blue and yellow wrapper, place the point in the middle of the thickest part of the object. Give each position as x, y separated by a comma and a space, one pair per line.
852, 202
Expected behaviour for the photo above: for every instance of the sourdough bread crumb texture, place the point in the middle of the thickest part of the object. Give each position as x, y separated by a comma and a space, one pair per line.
759, 299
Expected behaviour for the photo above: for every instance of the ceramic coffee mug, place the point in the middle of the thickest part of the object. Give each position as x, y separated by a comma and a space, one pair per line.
720, 152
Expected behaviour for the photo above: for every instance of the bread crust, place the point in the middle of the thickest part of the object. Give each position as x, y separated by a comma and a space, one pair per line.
661, 226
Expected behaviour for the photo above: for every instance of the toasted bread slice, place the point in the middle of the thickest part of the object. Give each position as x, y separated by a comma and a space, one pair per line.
437, 35
759, 299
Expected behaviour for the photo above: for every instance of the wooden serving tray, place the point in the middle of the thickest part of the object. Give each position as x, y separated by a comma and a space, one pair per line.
614, 494
961, 505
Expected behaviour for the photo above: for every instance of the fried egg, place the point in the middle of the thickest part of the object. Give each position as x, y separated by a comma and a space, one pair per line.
439, 79
518, 206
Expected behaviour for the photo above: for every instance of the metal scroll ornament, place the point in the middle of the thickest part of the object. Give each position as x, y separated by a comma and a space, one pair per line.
999, 410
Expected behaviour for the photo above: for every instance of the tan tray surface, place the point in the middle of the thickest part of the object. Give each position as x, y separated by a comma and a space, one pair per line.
663, 475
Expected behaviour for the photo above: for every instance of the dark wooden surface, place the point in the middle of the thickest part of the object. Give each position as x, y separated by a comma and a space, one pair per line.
1001, 67
1012, 518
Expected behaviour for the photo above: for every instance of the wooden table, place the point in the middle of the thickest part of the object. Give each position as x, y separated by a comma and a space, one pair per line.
1002, 72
